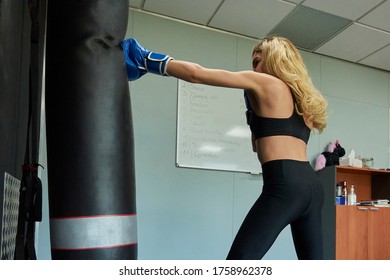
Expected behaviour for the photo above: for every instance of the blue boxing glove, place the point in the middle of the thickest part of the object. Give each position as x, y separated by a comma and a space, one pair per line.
140, 60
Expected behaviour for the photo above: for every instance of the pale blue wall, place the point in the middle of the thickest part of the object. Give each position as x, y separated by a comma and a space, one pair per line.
194, 214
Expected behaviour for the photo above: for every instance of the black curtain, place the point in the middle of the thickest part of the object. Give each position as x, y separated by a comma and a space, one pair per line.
15, 29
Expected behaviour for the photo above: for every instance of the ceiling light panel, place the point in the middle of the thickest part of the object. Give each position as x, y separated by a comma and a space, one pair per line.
308, 28
351, 9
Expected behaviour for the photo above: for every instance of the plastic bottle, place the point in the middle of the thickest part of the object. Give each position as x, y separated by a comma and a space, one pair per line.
352, 196
340, 199
345, 196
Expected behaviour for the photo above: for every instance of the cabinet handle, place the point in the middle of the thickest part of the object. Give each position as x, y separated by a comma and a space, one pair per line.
374, 209
363, 208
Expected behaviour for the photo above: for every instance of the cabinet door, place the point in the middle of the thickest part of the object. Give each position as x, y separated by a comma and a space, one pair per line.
351, 233
379, 233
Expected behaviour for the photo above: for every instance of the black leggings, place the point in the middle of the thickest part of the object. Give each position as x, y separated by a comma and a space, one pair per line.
292, 194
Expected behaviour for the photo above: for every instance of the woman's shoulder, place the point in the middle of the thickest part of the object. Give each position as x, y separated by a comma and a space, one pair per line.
275, 98
273, 87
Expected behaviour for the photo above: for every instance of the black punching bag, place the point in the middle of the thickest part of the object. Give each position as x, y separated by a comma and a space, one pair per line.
90, 147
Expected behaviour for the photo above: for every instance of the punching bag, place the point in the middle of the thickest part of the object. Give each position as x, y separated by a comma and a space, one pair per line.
90, 148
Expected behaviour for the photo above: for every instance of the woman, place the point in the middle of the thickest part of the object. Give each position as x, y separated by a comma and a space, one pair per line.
283, 108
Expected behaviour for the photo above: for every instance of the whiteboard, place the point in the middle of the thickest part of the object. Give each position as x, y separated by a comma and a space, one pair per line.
211, 129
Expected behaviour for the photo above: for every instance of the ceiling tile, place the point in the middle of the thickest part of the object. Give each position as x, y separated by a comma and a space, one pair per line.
135, 3
380, 59
294, 1
351, 9
355, 43
379, 17
199, 11
250, 17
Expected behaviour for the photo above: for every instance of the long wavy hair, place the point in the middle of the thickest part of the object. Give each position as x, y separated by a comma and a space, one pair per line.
282, 59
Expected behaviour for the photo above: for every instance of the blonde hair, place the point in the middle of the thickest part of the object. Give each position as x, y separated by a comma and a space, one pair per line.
283, 60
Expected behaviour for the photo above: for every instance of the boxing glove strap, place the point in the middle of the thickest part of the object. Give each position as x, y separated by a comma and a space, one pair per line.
157, 63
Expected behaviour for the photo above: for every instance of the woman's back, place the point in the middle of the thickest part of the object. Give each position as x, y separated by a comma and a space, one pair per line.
276, 105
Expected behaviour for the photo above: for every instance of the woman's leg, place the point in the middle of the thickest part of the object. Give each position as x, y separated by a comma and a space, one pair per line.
291, 194
260, 229
307, 230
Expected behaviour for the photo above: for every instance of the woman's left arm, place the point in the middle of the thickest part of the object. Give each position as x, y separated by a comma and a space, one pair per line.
140, 61
195, 73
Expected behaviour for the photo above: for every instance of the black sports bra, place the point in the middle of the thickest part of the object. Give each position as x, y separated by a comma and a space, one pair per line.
292, 126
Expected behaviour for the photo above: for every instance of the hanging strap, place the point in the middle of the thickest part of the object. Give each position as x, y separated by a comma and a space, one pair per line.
30, 200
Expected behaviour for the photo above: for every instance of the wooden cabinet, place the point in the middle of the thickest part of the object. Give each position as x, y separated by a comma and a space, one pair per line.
356, 232
379, 234
362, 233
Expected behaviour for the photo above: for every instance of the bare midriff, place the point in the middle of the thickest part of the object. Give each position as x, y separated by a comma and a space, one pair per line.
280, 147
